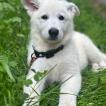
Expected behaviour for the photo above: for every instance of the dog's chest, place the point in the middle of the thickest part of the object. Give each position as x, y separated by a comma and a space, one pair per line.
41, 64
60, 62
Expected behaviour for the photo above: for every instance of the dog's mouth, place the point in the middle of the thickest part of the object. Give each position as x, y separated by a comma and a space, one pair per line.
53, 41
53, 38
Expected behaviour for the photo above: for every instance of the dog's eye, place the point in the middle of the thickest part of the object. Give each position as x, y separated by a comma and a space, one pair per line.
61, 17
44, 17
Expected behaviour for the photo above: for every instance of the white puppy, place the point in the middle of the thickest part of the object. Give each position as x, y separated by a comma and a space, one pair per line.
54, 43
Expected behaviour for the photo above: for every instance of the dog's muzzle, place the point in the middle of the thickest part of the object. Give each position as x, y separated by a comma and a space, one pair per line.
53, 33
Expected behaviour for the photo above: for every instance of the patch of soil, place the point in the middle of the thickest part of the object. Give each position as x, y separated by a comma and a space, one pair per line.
103, 2
100, 6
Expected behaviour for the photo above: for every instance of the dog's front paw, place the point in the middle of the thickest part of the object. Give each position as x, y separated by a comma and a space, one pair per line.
31, 102
66, 104
33, 98
67, 100
96, 67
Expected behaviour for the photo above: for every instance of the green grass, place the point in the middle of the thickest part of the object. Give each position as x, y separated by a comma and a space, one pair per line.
14, 28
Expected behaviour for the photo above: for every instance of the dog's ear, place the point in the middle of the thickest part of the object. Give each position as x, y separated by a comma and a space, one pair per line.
30, 6
73, 9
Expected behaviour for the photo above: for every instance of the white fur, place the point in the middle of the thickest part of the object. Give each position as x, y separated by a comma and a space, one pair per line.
78, 52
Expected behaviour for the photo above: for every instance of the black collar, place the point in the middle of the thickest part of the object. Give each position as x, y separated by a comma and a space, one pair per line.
49, 53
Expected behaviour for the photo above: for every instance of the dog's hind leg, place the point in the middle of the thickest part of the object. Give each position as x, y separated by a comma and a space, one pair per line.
94, 55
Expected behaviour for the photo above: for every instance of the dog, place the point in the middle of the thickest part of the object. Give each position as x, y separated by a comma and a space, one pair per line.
55, 46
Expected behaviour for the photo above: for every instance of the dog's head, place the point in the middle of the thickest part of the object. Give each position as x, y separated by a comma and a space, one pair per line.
51, 19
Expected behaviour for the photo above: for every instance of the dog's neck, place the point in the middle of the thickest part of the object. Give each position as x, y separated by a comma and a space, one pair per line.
42, 46
49, 53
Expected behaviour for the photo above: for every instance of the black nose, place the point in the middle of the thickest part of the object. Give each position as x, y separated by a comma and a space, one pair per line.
53, 32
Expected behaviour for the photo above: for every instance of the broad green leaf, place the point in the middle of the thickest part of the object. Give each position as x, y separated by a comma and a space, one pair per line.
6, 6
4, 63
40, 75
14, 19
28, 82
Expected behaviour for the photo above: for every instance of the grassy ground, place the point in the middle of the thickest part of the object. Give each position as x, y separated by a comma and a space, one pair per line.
14, 28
